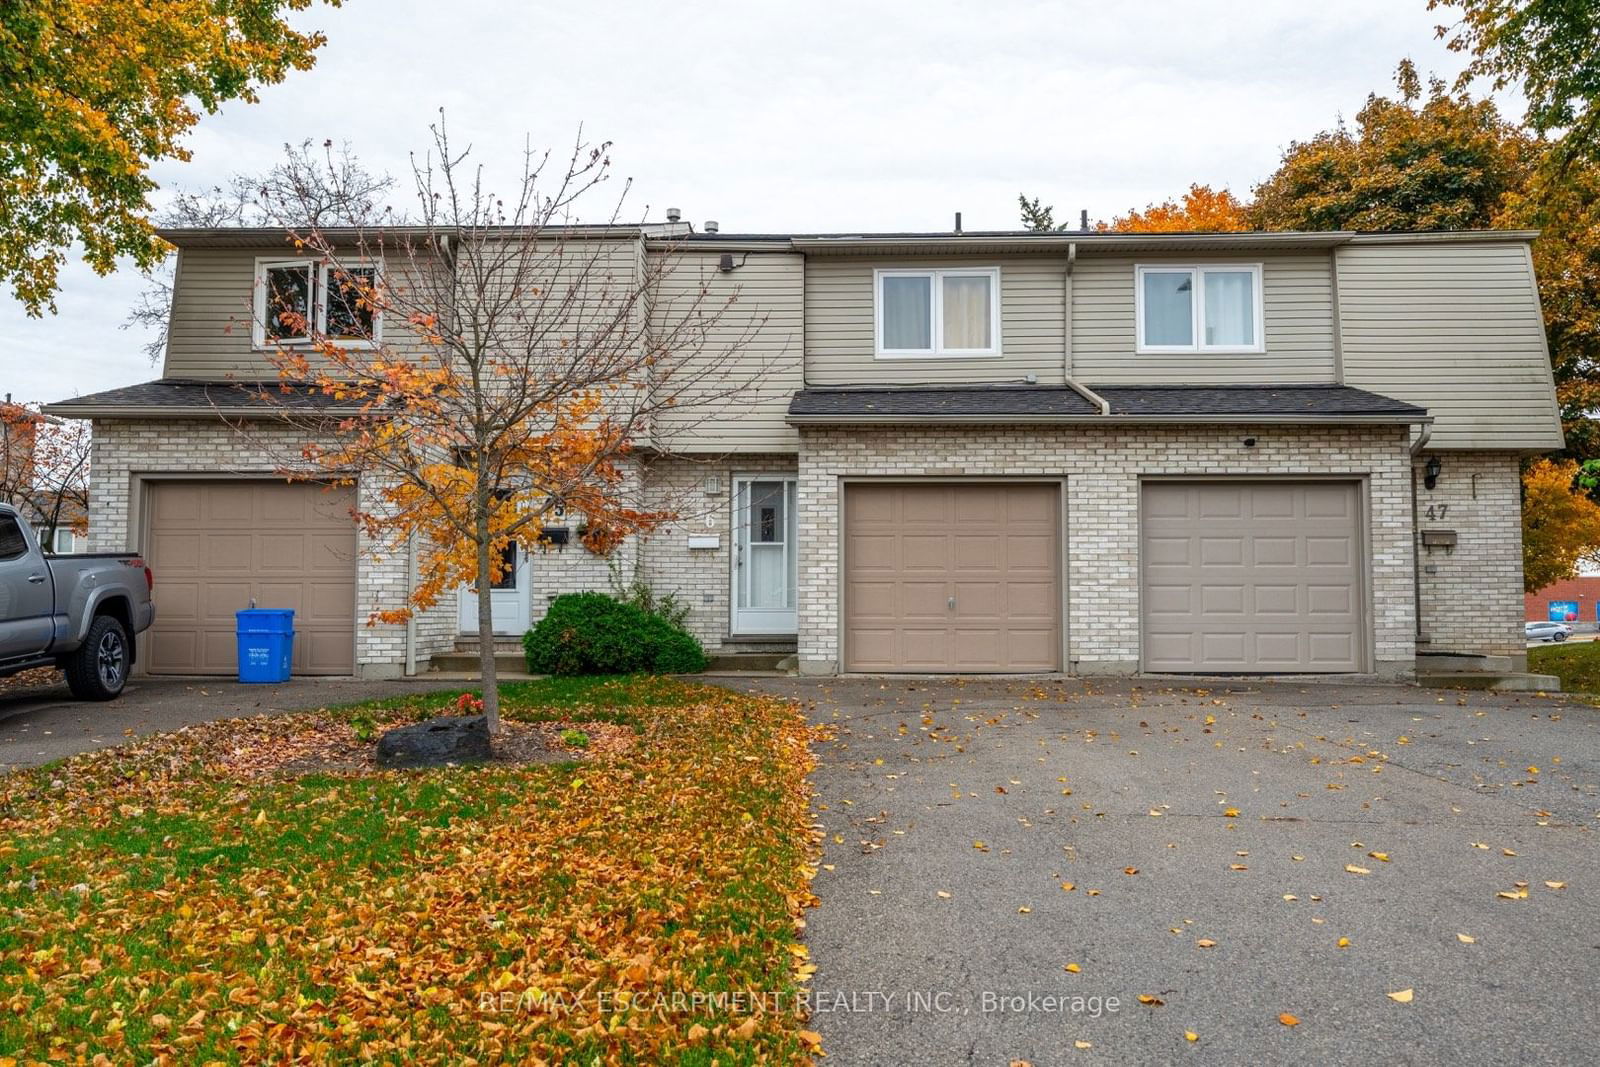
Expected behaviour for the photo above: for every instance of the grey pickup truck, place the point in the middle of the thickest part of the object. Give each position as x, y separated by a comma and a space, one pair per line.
79, 612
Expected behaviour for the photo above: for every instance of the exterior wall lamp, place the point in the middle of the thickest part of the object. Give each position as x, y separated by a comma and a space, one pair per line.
1430, 473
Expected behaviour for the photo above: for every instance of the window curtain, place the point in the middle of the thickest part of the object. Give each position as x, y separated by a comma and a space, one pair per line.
907, 312
966, 312
1168, 307
1230, 308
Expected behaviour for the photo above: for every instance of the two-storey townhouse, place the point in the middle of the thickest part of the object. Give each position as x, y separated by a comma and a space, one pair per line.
989, 452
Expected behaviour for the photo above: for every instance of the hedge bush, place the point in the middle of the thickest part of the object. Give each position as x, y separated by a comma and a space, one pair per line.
592, 633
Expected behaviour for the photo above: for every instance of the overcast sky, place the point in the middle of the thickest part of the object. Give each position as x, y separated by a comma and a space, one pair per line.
791, 116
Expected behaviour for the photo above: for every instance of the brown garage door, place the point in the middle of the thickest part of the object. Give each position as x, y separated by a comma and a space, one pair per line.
1252, 576
215, 545
943, 577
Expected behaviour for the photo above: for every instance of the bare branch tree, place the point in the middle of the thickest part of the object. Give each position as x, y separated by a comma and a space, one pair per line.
497, 362
44, 468
310, 187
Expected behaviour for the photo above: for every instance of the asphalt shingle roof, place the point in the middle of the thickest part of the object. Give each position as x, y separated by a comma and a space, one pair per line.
1155, 401
179, 395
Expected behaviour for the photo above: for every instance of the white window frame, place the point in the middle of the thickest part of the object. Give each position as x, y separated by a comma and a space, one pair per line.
56, 541
318, 318
936, 276
1197, 305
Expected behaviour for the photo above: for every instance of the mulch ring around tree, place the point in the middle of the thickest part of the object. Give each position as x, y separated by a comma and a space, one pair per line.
322, 744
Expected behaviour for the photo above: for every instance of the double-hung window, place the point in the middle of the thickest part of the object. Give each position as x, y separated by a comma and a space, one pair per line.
938, 313
1202, 308
296, 299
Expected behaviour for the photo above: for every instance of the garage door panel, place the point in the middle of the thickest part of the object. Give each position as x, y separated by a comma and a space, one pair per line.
924, 552
1167, 551
923, 600
871, 551
1031, 601
1329, 552
925, 506
992, 549
1252, 576
984, 599
1276, 599
978, 552
1168, 599
214, 546
873, 600
1222, 599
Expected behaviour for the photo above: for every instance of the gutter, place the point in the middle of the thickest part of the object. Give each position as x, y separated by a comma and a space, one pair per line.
67, 409
1104, 418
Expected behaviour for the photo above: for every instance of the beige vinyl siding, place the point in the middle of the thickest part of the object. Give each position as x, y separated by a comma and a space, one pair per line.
839, 323
1455, 328
210, 336
741, 334
1297, 306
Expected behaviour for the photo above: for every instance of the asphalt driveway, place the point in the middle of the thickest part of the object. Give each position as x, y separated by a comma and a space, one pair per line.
1209, 849
42, 723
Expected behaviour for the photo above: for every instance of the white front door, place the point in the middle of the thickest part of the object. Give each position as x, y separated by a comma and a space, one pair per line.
764, 556
508, 598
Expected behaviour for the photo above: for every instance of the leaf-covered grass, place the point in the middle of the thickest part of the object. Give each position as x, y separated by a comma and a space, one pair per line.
158, 910
1576, 663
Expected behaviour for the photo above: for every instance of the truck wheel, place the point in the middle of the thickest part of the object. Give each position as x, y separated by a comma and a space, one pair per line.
99, 669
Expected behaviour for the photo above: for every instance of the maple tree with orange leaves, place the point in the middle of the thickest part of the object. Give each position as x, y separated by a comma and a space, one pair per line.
1200, 210
505, 371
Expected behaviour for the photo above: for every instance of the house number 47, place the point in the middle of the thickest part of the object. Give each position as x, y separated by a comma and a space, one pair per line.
1437, 511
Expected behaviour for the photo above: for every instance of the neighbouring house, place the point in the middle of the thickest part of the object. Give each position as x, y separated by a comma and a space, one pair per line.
1575, 598
1101, 453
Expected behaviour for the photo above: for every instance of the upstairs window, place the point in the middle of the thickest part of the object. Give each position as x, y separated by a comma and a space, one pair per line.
931, 313
1199, 308
296, 296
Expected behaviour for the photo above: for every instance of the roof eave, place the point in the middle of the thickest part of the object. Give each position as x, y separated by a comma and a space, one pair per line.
67, 409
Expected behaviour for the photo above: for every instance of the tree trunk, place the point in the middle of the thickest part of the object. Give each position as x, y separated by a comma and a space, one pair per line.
486, 662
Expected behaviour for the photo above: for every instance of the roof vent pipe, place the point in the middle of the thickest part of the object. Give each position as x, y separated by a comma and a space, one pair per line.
711, 226
673, 214
1083, 220
958, 222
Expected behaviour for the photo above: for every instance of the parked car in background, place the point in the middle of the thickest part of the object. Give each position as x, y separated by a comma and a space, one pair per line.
1547, 631
79, 613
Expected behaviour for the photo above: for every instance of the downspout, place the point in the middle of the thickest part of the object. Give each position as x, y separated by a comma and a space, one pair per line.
1102, 405
1423, 436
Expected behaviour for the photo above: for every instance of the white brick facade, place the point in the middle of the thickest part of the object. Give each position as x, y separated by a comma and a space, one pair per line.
1102, 469
1472, 595
129, 453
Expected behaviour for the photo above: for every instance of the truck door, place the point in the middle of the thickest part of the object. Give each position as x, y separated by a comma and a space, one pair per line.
26, 594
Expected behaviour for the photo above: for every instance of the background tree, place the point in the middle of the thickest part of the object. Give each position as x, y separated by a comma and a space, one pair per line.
1560, 526
1037, 216
44, 468
92, 92
1550, 49
518, 371
309, 188
1200, 210
1440, 162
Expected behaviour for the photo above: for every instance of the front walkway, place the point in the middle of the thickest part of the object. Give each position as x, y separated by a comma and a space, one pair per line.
1210, 850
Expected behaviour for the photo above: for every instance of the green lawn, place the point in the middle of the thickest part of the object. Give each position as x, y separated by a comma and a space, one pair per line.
160, 909
1576, 663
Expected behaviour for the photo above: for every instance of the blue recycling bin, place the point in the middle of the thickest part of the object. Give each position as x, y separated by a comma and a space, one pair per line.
266, 644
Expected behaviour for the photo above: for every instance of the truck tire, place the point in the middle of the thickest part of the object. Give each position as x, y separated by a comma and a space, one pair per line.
99, 669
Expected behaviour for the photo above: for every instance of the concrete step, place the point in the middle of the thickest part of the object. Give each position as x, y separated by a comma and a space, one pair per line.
1447, 662
1496, 681
502, 645
752, 661
506, 663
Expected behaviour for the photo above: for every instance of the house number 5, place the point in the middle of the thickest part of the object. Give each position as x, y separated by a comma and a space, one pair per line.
1437, 511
